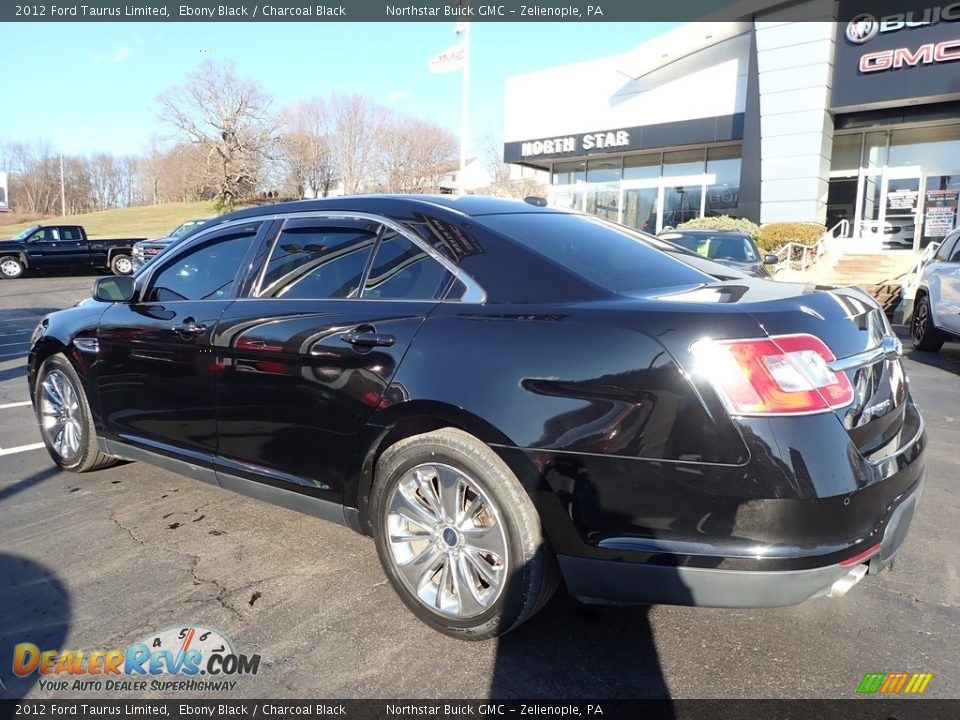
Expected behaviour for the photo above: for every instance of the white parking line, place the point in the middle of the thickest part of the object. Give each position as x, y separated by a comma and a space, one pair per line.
16, 404
21, 448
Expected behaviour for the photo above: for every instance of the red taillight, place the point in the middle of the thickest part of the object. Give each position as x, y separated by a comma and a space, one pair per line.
779, 375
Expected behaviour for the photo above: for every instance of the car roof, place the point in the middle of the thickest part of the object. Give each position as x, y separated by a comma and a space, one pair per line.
703, 231
469, 205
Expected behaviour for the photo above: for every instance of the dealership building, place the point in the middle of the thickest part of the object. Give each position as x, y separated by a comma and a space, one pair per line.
846, 114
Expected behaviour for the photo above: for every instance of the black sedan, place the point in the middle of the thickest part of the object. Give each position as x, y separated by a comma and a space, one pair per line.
502, 395
734, 249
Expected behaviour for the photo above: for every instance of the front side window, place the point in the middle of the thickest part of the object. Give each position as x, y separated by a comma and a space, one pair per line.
204, 272
946, 247
318, 260
402, 270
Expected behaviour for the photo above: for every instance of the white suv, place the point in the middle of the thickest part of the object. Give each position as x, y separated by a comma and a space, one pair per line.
936, 309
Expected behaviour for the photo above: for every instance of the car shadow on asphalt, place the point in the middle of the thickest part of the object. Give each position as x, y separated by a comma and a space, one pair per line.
947, 359
35, 608
20, 371
575, 651
25, 484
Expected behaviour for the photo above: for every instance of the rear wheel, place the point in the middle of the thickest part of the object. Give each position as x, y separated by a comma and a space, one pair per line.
458, 537
11, 267
925, 335
121, 265
66, 423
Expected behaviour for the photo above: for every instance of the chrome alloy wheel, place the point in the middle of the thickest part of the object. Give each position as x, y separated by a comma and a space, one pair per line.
124, 265
447, 540
61, 415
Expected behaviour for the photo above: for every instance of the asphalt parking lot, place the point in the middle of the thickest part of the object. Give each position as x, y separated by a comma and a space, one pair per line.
100, 561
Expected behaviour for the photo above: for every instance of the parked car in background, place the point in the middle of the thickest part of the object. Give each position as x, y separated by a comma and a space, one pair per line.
501, 394
44, 247
731, 248
936, 305
146, 250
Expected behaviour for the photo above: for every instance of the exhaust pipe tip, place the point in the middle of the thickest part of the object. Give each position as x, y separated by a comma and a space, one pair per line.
842, 586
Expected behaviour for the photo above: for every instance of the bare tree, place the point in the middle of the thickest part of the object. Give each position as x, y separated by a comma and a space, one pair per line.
230, 118
306, 147
357, 122
414, 154
501, 184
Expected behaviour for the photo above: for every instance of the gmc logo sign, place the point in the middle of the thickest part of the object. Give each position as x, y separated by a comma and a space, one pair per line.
928, 54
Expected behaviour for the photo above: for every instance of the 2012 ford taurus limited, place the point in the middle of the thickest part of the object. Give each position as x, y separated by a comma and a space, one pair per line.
502, 395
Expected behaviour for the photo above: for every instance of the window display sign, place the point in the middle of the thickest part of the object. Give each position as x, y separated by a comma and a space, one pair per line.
902, 200
941, 212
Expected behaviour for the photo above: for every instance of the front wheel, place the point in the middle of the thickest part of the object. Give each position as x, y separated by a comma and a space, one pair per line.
121, 265
66, 423
11, 268
925, 335
458, 537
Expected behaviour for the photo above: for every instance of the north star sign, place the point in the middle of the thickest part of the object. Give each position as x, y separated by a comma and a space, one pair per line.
575, 143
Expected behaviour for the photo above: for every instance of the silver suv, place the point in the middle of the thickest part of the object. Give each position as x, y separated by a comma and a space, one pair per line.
936, 309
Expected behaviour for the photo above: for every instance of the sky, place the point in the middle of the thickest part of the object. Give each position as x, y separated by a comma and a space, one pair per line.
92, 87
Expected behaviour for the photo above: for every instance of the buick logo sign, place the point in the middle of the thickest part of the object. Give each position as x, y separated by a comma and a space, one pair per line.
862, 28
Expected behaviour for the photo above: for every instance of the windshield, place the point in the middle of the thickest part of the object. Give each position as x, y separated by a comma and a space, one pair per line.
25, 234
608, 255
715, 246
185, 228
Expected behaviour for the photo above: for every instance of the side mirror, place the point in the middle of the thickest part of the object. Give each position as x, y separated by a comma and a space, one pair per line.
113, 289
770, 259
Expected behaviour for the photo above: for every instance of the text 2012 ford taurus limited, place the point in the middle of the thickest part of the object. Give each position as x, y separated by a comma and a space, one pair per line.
502, 394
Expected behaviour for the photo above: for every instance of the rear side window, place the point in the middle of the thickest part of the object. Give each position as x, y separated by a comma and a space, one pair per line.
607, 255
318, 260
71, 233
402, 270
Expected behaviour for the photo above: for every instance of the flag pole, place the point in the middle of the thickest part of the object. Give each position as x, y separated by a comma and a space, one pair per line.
464, 107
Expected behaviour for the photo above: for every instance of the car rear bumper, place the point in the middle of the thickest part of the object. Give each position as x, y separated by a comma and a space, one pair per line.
594, 580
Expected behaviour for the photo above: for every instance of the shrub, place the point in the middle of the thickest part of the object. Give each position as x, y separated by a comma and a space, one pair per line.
775, 235
722, 222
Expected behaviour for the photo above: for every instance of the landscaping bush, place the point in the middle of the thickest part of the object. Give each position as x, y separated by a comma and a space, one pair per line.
775, 235
722, 222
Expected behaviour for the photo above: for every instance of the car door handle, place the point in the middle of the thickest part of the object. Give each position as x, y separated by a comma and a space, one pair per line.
189, 327
367, 338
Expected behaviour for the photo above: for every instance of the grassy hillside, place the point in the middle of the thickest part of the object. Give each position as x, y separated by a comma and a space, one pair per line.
146, 221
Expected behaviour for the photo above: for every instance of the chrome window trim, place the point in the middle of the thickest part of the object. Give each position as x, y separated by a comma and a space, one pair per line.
474, 293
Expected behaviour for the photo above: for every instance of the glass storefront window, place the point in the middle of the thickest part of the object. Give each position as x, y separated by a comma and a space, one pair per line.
874, 151
845, 159
569, 173
681, 203
641, 167
640, 208
603, 201
930, 148
723, 192
603, 170
683, 162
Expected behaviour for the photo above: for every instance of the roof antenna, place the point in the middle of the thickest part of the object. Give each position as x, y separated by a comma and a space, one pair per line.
534, 200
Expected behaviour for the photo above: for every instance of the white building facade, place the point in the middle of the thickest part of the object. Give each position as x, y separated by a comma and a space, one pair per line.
844, 114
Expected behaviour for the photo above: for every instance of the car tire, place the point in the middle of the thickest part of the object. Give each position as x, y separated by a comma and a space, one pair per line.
925, 335
11, 267
458, 536
121, 265
66, 423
